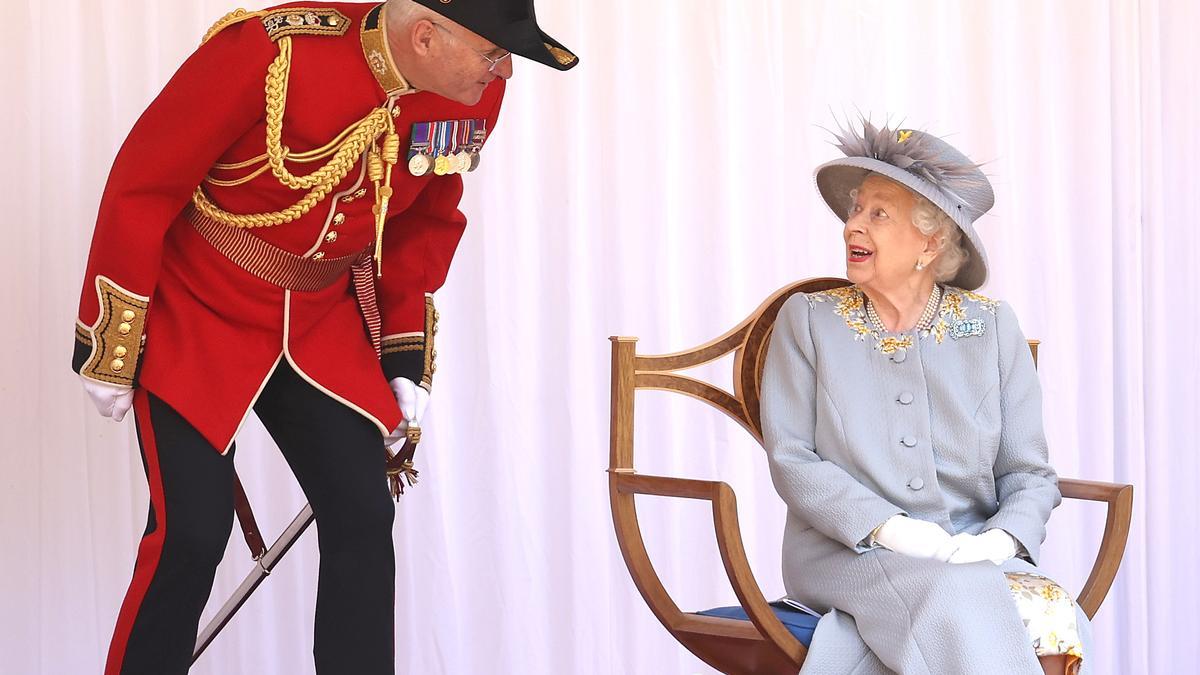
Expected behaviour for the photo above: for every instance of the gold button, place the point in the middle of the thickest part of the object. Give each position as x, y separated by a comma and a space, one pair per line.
339, 219
331, 237
395, 112
333, 21
117, 365
124, 329
128, 315
432, 368
318, 255
120, 352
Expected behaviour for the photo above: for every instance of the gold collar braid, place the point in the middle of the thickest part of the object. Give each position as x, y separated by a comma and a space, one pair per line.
346, 149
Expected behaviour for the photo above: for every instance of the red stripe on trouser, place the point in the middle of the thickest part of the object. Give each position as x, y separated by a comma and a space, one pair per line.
150, 550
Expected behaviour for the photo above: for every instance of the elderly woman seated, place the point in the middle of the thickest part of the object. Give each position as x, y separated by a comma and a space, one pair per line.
902, 419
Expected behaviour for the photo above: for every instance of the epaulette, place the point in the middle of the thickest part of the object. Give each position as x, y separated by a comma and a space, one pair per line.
281, 23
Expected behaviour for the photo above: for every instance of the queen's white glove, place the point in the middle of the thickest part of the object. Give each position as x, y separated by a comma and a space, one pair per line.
112, 400
995, 545
915, 538
412, 400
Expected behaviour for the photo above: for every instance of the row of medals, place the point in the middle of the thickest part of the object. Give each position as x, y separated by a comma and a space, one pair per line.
462, 161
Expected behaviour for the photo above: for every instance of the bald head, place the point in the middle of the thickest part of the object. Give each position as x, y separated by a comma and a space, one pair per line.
404, 13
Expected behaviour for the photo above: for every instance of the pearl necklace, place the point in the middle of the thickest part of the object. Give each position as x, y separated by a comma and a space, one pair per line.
926, 320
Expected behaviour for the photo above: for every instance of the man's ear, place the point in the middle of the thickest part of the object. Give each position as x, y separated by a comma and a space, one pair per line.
421, 34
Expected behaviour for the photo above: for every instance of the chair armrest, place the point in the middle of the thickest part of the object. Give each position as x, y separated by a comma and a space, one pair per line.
1116, 532
729, 542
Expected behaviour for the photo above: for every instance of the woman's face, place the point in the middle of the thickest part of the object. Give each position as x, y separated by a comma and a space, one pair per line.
882, 244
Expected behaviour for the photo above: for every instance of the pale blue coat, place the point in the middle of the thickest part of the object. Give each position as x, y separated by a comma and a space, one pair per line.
943, 425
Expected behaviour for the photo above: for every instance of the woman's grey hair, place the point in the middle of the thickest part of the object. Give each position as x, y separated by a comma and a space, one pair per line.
933, 222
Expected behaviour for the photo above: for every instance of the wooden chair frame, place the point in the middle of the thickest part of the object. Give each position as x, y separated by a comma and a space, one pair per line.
762, 645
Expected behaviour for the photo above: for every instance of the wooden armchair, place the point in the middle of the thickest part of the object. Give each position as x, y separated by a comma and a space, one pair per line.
762, 644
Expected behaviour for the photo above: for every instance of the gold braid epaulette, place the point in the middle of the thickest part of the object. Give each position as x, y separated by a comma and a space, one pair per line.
354, 141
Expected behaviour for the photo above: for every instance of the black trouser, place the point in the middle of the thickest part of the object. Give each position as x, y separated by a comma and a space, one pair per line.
337, 456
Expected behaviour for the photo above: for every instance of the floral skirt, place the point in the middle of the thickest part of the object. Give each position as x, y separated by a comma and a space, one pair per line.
1048, 612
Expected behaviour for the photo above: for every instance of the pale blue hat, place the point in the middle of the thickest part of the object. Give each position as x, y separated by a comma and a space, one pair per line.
924, 164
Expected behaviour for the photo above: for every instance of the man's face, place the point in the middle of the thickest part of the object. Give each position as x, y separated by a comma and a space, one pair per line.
463, 63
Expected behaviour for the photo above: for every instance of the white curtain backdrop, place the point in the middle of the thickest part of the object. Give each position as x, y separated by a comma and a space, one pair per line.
661, 189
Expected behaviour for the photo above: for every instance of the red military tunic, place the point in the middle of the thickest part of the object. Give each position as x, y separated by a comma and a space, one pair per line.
201, 332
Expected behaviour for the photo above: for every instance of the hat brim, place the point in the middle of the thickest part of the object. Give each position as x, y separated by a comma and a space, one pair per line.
835, 180
526, 39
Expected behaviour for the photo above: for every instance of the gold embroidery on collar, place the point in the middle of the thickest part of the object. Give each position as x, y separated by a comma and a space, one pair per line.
378, 56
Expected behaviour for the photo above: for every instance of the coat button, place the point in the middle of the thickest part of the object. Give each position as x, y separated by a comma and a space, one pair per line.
899, 356
124, 329
909, 441
331, 237
339, 219
120, 351
905, 398
128, 315
117, 365
916, 483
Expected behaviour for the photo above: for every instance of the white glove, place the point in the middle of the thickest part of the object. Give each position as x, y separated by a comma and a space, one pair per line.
995, 545
112, 400
915, 538
412, 400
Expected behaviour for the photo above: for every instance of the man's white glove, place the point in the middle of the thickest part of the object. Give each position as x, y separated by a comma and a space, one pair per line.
915, 538
995, 545
112, 400
412, 400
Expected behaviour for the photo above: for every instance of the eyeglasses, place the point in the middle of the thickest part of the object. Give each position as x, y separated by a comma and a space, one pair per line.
494, 63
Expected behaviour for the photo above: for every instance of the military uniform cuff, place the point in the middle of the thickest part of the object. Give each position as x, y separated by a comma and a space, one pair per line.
404, 356
110, 350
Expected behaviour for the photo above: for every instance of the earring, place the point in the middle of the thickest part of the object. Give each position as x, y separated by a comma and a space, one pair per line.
920, 265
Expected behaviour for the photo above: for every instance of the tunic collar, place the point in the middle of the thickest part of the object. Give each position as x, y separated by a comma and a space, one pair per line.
379, 55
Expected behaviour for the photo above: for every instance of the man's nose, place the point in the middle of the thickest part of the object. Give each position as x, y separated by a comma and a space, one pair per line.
504, 69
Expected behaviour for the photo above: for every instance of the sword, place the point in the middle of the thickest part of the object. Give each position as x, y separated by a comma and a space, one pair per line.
399, 471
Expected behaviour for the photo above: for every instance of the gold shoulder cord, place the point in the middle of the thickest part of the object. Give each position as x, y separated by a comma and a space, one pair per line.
345, 149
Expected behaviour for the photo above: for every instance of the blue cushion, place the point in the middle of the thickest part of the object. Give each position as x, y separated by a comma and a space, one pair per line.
801, 624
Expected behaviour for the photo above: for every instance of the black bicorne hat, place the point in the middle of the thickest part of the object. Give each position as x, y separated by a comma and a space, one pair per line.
510, 24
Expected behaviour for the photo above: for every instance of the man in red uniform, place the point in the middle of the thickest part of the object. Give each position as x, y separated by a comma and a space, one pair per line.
269, 238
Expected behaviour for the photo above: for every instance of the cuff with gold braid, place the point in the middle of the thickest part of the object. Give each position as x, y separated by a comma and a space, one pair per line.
413, 355
110, 349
